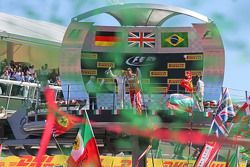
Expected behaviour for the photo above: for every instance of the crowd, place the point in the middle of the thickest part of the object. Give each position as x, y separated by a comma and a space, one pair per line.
25, 72
18, 72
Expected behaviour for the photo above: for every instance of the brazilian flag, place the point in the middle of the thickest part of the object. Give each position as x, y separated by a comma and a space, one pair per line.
174, 39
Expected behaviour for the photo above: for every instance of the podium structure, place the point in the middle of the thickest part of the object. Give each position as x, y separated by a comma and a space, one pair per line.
163, 54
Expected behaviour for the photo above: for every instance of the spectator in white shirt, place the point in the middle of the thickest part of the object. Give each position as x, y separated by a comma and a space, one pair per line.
199, 95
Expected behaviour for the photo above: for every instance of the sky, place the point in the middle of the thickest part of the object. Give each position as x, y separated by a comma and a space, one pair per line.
230, 16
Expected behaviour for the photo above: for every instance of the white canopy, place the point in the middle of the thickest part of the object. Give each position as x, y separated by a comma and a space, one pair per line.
16, 28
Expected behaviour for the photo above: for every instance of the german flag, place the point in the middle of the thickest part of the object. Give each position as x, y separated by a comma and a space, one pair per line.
104, 38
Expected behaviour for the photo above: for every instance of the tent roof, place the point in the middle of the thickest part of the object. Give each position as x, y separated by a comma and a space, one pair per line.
141, 14
16, 28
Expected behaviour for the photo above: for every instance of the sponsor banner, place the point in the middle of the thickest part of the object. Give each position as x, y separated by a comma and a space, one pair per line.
194, 72
193, 57
107, 161
23, 161
89, 72
105, 64
159, 89
174, 39
174, 81
155, 68
106, 80
145, 81
158, 73
89, 56
176, 65
122, 162
179, 163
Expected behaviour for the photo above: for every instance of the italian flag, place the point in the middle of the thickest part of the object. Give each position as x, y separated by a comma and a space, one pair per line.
84, 152
208, 114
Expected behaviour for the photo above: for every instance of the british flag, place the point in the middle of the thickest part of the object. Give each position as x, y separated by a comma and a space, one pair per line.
141, 39
224, 111
218, 126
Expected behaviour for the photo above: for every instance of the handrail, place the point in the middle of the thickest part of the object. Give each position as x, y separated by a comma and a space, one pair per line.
24, 92
19, 83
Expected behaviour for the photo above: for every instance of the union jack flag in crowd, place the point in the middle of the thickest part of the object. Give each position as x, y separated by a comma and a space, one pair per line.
225, 110
141, 39
210, 150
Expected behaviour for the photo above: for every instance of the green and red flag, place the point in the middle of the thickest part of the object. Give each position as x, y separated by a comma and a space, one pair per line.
245, 152
240, 122
57, 122
180, 102
84, 152
240, 113
233, 160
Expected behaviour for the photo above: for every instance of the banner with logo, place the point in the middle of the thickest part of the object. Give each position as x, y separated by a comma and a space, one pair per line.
208, 153
107, 161
160, 69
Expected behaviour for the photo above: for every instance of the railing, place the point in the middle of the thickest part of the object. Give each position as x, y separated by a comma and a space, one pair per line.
14, 94
153, 96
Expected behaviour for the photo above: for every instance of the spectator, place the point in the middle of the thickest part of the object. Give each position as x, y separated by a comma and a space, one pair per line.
199, 95
52, 76
43, 76
32, 71
3, 113
93, 87
58, 81
6, 73
28, 77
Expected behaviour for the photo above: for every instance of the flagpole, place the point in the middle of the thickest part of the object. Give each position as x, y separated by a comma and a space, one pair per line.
68, 98
58, 145
152, 157
238, 150
114, 98
219, 104
191, 128
142, 155
228, 155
